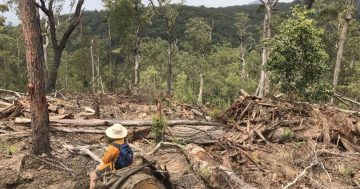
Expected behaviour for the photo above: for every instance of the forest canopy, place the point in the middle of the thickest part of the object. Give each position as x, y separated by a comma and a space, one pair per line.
125, 48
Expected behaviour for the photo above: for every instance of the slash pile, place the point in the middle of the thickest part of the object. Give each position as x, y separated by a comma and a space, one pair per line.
273, 120
276, 143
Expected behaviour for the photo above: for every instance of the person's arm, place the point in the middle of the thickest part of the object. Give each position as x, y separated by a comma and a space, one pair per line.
109, 154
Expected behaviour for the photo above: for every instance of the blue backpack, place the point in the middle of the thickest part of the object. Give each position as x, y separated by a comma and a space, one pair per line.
125, 157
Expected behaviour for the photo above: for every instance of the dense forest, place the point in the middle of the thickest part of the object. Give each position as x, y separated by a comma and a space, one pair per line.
215, 51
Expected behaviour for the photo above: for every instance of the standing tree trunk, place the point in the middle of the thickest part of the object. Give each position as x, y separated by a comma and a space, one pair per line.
171, 51
341, 45
18, 62
45, 49
137, 59
264, 58
202, 82
110, 57
66, 73
58, 45
264, 80
170, 20
201, 89
92, 66
36, 84
243, 61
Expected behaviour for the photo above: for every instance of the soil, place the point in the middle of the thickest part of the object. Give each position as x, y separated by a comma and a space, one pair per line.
25, 171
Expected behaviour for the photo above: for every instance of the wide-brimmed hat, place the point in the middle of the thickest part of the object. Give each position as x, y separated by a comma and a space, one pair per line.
116, 131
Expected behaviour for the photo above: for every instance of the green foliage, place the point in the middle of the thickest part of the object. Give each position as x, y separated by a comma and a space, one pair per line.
298, 145
9, 150
182, 89
198, 33
287, 134
346, 171
205, 173
299, 60
158, 126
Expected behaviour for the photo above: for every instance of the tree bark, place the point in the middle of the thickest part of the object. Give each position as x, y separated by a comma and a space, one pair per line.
243, 62
45, 49
171, 50
36, 84
110, 56
137, 60
201, 89
92, 65
341, 45
261, 92
264, 82
133, 123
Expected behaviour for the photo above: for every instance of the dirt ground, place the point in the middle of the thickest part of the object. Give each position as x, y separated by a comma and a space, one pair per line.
18, 169
264, 165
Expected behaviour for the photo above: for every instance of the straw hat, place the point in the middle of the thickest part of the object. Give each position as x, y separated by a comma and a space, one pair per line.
116, 131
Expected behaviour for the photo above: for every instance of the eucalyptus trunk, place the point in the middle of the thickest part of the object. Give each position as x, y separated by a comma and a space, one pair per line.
36, 80
340, 52
171, 52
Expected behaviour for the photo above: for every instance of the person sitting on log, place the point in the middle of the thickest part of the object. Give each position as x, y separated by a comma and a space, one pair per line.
117, 156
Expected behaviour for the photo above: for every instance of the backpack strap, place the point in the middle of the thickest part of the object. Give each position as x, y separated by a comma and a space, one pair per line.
117, 145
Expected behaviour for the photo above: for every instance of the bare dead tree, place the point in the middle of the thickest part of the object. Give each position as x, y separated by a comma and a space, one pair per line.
264, 80
341, 43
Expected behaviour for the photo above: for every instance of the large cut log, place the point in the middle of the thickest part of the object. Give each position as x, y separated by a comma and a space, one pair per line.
142, 181
129, 123
140, 175
216, 175
199, 134
195, 134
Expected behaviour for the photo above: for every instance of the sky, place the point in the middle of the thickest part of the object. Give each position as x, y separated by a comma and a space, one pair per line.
97, 5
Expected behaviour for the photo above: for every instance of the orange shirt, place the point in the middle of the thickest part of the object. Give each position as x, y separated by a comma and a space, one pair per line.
110, 156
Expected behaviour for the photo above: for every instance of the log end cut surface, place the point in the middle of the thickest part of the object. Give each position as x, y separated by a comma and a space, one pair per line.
142, 181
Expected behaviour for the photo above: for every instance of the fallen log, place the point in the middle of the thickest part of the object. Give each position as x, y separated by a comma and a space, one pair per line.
13, 110
347, 99
199, 134
211, 171
17, 94
128, 123
348, 111
83, 151
5, 104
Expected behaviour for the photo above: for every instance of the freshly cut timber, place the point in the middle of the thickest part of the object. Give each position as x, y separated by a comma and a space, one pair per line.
142, 181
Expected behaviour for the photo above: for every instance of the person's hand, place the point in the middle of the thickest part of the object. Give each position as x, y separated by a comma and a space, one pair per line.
93, 176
